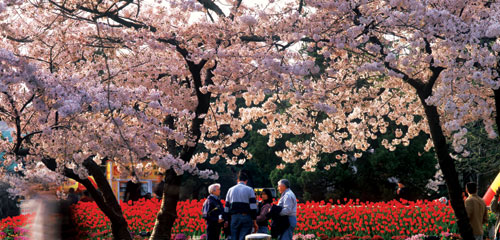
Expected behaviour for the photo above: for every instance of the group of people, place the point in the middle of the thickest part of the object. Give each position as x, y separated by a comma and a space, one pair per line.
243, 215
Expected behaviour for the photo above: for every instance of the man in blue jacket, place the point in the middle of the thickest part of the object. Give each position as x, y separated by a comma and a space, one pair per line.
241, 204
212, 212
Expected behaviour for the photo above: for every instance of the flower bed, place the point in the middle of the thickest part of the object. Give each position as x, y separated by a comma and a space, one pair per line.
14, 227
318, 220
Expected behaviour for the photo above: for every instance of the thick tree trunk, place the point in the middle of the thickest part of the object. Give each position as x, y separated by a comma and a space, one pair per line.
168, 211
447, 165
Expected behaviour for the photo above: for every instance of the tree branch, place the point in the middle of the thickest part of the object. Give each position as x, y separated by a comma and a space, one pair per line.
27, 102
202, 108
301, 5
210, 5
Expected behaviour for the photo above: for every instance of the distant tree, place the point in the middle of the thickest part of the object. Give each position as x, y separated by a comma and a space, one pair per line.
8, 205
482, 163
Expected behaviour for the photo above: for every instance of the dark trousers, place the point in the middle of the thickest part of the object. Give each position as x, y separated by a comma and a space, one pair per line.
213, 231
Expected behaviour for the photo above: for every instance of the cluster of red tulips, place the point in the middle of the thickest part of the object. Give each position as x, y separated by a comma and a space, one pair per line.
326, 220
14, 227
389, 220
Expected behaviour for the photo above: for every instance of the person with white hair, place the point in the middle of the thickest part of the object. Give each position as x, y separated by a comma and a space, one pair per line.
212, 212
288, 202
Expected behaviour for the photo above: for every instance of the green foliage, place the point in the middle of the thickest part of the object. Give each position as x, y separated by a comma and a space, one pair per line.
366, 178
411, 165
484, 154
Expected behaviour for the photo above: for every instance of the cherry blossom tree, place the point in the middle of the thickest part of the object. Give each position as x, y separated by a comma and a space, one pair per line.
129, 82
428, 65
126, 81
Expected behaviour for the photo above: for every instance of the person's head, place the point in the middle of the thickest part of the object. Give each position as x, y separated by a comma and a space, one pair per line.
71, 190
214, 189
283, 185
400, 185
266, 195
471, 188
160, 177
243, 177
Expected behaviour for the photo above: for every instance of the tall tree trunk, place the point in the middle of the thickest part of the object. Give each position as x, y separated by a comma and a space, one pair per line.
165, 218
447, 165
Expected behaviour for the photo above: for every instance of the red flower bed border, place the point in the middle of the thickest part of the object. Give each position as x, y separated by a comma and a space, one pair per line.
353, 220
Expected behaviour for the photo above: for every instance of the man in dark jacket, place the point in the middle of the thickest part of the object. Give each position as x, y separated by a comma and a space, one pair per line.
212, 212
158, 190
133, 190
279, 223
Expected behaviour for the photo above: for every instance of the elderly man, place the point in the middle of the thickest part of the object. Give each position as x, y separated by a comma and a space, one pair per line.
289, 203
212, 212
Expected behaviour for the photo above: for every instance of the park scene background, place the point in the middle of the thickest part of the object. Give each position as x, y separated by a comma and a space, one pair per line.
342, 98
356, 200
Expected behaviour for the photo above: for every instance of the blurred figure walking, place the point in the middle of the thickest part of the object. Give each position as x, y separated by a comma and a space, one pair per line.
43, 204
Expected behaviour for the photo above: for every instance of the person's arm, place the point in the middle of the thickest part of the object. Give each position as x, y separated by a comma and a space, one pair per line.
485, 217
227, 207
263, 211
469, 208
252, 200
205, 209
287, 205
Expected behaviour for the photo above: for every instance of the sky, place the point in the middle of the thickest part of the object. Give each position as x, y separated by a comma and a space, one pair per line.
4, 127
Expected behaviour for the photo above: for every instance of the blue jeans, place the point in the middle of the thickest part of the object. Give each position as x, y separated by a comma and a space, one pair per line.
263, 229
288, 234
241, 225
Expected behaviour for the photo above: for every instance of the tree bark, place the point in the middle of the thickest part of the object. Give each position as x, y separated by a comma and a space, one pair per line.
168, 211
497, 108
165, 218
447, 165
108, 201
